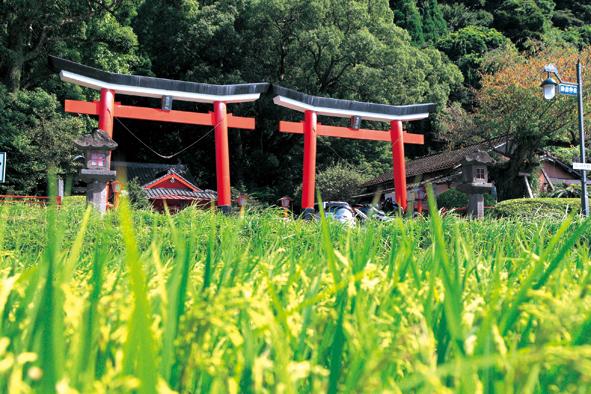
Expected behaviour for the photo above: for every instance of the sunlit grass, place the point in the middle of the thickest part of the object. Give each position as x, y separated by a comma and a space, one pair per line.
201, 302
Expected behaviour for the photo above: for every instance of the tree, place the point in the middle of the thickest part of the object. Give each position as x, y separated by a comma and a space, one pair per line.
29, 30
407, 16
339, 182
467, 47
36, 136
570, 13
191, 40
434, 25
511, 104
523, 20
458, 16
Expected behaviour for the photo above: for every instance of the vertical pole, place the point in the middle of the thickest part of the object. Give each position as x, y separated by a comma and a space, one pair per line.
308, 184
584, 197
419, 201
222, 157
105, 123
398, 165
106, 111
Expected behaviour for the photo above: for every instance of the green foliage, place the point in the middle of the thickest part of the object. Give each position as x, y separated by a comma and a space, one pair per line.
570, 13
567, 155
467, 47
407, 16
523, 20
339, 182
563, 190
453, 198
137, 195
434, 25
36, 136
94, 31
202, 302
538, 208
459, 15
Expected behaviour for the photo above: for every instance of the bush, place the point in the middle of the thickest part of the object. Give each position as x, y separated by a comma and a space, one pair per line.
137, 195
453, 198
538, 207
339, 182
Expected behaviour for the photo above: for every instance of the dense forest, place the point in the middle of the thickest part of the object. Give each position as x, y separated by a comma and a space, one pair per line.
479, 60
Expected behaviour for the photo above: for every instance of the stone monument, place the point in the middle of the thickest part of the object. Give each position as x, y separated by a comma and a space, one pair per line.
474, 182
97, 147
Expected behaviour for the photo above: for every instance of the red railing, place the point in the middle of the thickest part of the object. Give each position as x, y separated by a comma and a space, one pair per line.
41, 200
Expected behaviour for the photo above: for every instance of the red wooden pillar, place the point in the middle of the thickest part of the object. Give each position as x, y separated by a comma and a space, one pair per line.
106, 111
222, 156
308, 185
396, 135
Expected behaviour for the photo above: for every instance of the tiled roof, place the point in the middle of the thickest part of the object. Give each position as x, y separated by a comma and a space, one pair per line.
180, 194
96, 139
438, 161
146, 172
178, 176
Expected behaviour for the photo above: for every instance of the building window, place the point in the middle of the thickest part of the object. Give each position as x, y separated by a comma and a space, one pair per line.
97, 159
480, 173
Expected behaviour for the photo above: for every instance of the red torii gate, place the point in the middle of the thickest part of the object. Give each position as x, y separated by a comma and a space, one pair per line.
313, 106
168, 90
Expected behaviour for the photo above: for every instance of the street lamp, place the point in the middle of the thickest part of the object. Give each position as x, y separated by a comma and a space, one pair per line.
549, 86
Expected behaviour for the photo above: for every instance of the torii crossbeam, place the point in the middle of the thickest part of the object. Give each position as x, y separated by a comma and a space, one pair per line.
110, 84
313, 106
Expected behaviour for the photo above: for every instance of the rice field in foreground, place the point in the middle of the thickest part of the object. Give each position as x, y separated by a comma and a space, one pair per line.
199, 302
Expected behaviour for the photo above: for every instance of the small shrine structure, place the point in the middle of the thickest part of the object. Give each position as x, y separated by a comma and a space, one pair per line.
97, 147
474, 182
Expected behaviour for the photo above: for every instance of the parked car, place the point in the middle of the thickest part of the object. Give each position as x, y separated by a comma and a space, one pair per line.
340, 211
370, 211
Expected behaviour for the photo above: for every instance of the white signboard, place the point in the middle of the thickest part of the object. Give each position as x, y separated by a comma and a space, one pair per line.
2, 167
582, 166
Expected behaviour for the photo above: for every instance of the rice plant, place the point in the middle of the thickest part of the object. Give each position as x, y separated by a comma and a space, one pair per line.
199, 302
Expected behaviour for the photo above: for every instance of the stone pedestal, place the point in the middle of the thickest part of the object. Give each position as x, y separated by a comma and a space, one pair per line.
475, 206
96, 194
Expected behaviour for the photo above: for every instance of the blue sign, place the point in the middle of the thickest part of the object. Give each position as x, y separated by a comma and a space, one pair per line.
2, 167
568, 90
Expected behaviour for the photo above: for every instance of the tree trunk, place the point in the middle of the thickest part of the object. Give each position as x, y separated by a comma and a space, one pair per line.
508, 181
15, 72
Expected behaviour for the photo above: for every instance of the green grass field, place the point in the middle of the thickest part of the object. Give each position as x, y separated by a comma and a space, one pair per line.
198, 302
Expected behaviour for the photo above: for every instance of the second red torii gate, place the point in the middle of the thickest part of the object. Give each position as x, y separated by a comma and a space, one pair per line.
313, 106
167, 90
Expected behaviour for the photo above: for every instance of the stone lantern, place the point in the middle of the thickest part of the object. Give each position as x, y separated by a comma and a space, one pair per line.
97, 147
285, 202
475, 182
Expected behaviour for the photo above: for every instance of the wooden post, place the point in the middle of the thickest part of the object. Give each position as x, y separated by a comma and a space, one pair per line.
398, 165
308, 185
222, 157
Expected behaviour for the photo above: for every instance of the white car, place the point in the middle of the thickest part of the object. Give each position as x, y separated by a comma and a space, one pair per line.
339, 211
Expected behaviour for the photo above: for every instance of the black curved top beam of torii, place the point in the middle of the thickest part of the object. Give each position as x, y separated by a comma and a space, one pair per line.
136, 85
299, 101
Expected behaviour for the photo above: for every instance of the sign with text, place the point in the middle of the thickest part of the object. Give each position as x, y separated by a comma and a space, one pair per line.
582, 166
568, 89
2, 167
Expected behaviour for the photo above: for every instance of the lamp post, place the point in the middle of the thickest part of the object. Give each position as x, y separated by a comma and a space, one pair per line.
570, 89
